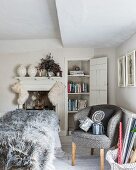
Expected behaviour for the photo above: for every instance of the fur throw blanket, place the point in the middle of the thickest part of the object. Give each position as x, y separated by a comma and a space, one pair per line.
27, 139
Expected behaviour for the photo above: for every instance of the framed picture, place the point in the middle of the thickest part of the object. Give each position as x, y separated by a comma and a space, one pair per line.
122, 71
130, 69
82, 104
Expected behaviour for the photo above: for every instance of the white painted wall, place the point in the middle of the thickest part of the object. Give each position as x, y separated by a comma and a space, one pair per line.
13, 53
110, 53
126, 97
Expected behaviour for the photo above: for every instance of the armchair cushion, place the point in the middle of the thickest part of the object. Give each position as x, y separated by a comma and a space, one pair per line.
93, 141
85, 123
109, 110
80, 115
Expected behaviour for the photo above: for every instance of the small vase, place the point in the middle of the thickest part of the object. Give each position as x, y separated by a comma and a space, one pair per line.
39, 73
44, 73
21, 71
32, 71
58, 74
50, 74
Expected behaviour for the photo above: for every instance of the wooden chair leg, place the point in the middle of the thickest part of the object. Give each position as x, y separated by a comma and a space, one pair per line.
73, 153
92, 151
101, 159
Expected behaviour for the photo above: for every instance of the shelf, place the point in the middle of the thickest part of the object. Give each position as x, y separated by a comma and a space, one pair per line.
79, 93
38, 78
73, 111
79, 75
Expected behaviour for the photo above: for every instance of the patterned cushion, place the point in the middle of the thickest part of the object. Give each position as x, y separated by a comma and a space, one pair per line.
93, 141
85, 123
109, 110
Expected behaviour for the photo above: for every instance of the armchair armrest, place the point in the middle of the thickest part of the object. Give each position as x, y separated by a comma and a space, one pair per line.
113, 127
81, 114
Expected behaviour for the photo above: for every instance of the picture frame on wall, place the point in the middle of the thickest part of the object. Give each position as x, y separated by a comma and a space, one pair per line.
122, 71
130, 69
82, 104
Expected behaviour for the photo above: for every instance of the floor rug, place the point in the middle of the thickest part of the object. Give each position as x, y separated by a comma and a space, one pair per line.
82, 163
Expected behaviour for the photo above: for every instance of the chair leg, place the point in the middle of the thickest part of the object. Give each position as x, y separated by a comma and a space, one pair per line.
92, 151
73, 153
101, 159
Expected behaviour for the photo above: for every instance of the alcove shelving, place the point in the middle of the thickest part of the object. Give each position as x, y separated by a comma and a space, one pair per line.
78, 92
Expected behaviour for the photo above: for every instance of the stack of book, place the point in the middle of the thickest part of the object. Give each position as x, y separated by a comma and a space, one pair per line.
125, 147
77, 87
80, 72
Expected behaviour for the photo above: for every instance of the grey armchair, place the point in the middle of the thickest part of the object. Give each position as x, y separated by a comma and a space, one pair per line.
113, 115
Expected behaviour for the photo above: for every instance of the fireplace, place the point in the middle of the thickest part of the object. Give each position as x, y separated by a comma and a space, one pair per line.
40, 87
38, 100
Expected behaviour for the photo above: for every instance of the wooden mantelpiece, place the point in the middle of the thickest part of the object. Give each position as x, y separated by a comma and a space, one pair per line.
38, 83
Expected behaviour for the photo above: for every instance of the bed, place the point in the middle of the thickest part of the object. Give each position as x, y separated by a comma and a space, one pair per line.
27, 139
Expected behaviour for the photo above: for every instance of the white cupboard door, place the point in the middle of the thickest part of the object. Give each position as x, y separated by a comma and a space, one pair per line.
98, 81
93, 80
102, 78
93, 97
102, 97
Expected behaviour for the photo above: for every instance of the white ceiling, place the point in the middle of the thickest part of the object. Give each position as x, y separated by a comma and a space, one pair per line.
26, 19
96, 23
80, 23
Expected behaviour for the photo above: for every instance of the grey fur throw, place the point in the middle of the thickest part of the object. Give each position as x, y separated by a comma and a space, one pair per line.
27, 139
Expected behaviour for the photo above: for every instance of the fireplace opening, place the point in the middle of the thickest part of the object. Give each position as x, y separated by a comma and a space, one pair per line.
38, 100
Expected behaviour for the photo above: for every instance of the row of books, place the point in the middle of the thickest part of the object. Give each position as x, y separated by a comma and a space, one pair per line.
74, 104
77, 87
125, 146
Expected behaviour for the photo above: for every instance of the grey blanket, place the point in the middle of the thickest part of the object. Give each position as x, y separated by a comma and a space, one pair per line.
27, 139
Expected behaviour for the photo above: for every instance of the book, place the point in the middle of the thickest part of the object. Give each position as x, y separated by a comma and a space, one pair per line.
126, 137
69, 88
130, 148
83, 87
79, 88
76, 72
133, 157
76, 104
69, 105
130, 142
120, 144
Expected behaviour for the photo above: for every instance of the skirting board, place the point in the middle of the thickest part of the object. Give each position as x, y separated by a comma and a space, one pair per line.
63, 133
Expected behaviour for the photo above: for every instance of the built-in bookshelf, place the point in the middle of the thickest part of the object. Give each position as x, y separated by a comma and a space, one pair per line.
78, 75
78, 92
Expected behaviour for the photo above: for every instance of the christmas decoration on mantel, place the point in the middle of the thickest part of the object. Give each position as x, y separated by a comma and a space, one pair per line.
48, 67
